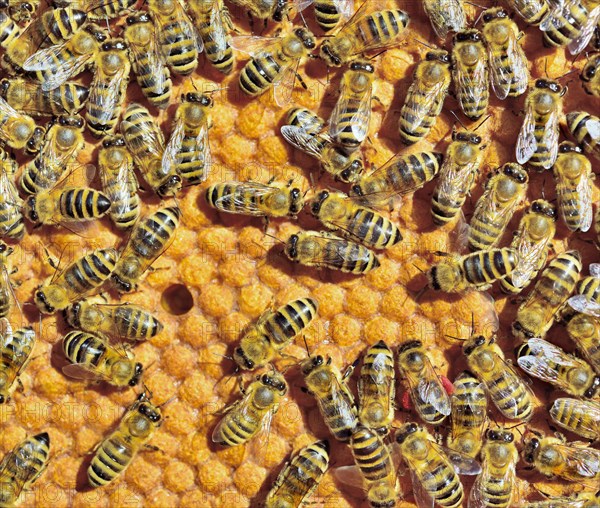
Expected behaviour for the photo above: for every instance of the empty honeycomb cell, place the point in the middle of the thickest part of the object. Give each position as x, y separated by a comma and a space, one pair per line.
231, 498
216, 300
345, 330
218, 243
182, 418
380, 328
196, 270
237, 271
292, 292
330, 299
272, 149
194, 448
162, 498
194, 217
362, 301
123, 496
255, 120
143, 471
177, 299
178, 477
248, 478
239, 150
214, 476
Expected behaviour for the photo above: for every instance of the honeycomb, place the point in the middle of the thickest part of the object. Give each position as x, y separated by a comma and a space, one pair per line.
230, 272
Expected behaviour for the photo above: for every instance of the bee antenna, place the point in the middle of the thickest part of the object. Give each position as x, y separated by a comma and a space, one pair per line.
274, 238
424, 44
306, 344
459, 339
482, 122
168, 401
420, 269
458, 120
147, 391
472, 323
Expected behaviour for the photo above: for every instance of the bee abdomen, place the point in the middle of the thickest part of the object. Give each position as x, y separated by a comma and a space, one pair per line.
238, 430
487, 266
5, 299
370, 454
374, 229
326, 14
181, 53
191, 161
353, 258
9, 30
83, 204
290, 320
93, 269
83, 348
136, 323
258, 75
60, 24
111, 459
498, 492
156, 231
559, 278
443, 485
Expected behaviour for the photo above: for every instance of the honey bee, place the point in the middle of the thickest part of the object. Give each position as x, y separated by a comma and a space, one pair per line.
323, 249
147, 63
107, 90
80, 277
21, 468
120, 320
376, 466
585, 128
537, 313
378, 30
149, 238
28, 97
532, 11
495, 485
15, 353
334, 399
477, 271
19, 10
53, 66
457, 174
15, 128
303, 131
470, 72
275, 10
300, 477
119, 181
590, 75
243, 419
537, 143
351, 115
377, 389
506, 388
145, 141
11, 217
580, 500
579, 416
54, 26
584, 331
445, 16
92, 357
554, 457
274, 199
328, 13
114, 455
339, 213
5, 284
212, 21
273, 66
425, 96
62, 143
99, 10
425, 388
273, 331
402, 174
508, 63
531, 242
469, 415
176, 37
78, 204
9, 30
504, 192
571, 23
188, 149
433, 469
550, 363
573, 173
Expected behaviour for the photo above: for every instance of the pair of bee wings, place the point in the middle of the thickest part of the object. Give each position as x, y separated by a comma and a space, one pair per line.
502, 76
264, 47
180, 18
455, 181
334, 250
423, 100
304, 140
584, 200
478, 497
582, 462
20, 465
359, 121
563, 502
7, 112
426, 388
560, 12
538, 363
21, 351
588, 407
46, 59
527, 143
150, 140
85, 372
105, 92
472, 82
445, 16
10, 204
593, 127
529, 254
218, 34
580, 303
158, 75
344, 7
201, 144
246, 207
119, 194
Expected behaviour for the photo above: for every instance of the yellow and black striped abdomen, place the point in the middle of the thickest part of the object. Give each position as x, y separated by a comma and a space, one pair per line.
339, 415
509, 394
157, 89
327, 14
90, 271
59, 60
350, 257
485, 228
413, 171
259, 74
559, 279
84, 348
180, 50
440, 481
381, 27
590, 288
125, 207
131, 321
373, 229
97, 121
532, 11
576, 415
191, 159
60, 24
238, 427
584, 330
112, 458
542, 156
234, 198
565, 28
109, 9
579, 123
5, 298
347, 123
67, 98
138, 123
83, 204
371, 454
218, 51
485, 267
289, 320
24, 465
155, 232
413, 124
469, 402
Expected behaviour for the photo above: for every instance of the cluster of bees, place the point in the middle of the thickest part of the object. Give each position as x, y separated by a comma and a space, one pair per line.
165, 40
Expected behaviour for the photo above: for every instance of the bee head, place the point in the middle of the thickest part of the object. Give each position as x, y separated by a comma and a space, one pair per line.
495, 13
519, 330
468, 36
3, 247
588, 73
438, 56
363, 66
110, 141
515, 172
96, 32
466, 137
123, 286
529, 451
406, 430
149, 412
280, 10
71, 314
549, 84
2, 399
311, 364
307, 38
32, 212
239, 355
275, 383
329, 56
296, 201
568, 147
200, 98
169, 185
291, 247
75, 121
42, 302
4, 86
318, 202
473, 344
593, 389
138, 370
543, 207
350, 174
114, 45
139, 17
500, 435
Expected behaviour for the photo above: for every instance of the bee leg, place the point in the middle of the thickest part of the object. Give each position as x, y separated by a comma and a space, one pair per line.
21, 388
302, 83
151, 448
349, 370
266, 220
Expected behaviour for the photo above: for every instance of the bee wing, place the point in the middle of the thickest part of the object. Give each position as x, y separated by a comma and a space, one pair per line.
169, 158
478, 497
253, 45
559, 12
237, 196
349, 475
426, 97
348, 101
300, 5
120, 197
529, 254
7, 111
501, 75
595, 270
106, 95
218, 34
581, 304
422, 497
149, 138
283, 85
344, 7
45, 59
471, 84
581, 460
427, 387
215, 437
578, 44
82, 372
302, 140
593, 128
551, 134
451, 15
154, 61
455, 180
10, 202
512, 377
335, 256
184, 25
462, 464
584, 191
6, 333
526, 142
